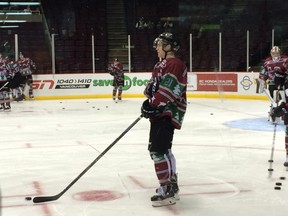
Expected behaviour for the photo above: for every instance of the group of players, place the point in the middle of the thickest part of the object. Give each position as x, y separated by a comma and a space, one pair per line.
273, 78
14, 76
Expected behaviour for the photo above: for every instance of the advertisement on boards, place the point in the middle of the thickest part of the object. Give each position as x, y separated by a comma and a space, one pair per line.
100, 84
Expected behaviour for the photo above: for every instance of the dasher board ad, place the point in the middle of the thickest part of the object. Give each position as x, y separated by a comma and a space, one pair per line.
101, 84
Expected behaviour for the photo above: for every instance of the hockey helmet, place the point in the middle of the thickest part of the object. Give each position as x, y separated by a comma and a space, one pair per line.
166, 39
275, 52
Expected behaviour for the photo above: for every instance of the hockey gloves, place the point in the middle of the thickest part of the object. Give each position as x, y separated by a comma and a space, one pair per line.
147, 110
279, 110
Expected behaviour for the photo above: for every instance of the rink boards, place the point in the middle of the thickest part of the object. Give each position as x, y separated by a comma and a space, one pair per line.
238, 85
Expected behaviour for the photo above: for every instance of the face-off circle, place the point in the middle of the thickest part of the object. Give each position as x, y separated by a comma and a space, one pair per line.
97, 195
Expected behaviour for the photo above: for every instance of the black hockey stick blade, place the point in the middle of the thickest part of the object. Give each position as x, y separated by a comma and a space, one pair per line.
45, 199
41, 199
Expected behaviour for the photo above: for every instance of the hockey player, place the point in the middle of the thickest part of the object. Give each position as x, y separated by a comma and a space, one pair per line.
273, 66
165, 108
4, 96
116, 70
27, 66
281, 82
7, 71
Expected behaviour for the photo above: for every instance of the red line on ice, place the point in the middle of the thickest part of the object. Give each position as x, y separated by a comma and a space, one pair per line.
44, 207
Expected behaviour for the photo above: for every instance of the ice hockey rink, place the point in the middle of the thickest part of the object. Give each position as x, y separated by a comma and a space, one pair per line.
222, 157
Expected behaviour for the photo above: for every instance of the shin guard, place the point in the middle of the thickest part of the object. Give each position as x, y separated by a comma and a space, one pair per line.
162, 167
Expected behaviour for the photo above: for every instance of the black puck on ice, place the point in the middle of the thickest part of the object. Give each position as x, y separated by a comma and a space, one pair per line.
278, 183
277, 188
28, 198
270, 161
270, 169
282, 178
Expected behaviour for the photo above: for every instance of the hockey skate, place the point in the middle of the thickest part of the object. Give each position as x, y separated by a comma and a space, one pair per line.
165, 196
20, 98
7, 107
175, 187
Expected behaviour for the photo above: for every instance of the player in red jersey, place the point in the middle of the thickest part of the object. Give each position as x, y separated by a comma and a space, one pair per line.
278, 67
27, 66
4, 81
7, 71
165, 107
116, 70
273, 69
274, 65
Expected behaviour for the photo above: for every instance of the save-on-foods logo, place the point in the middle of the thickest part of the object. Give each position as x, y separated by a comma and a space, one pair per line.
128, 82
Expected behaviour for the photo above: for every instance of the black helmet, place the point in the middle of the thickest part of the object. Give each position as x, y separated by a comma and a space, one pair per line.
167, 38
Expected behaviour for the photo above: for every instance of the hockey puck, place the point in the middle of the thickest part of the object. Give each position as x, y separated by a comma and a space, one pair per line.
211, 113
278, 183
277, 188
282, 178
270, 169
28, 198
93, 107
270, 161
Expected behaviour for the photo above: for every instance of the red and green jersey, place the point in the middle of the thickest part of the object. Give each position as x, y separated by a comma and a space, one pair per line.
167, 88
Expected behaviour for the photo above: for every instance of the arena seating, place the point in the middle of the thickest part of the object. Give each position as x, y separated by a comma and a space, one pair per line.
74, 22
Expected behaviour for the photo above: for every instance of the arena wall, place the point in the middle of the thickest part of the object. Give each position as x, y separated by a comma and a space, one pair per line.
234, 85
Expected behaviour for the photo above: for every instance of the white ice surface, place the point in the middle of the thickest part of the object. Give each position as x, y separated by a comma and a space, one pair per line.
222, 169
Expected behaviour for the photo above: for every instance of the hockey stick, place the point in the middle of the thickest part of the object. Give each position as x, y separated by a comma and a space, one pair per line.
270, 169
275, 104
266, 91
40, 199
4, 85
